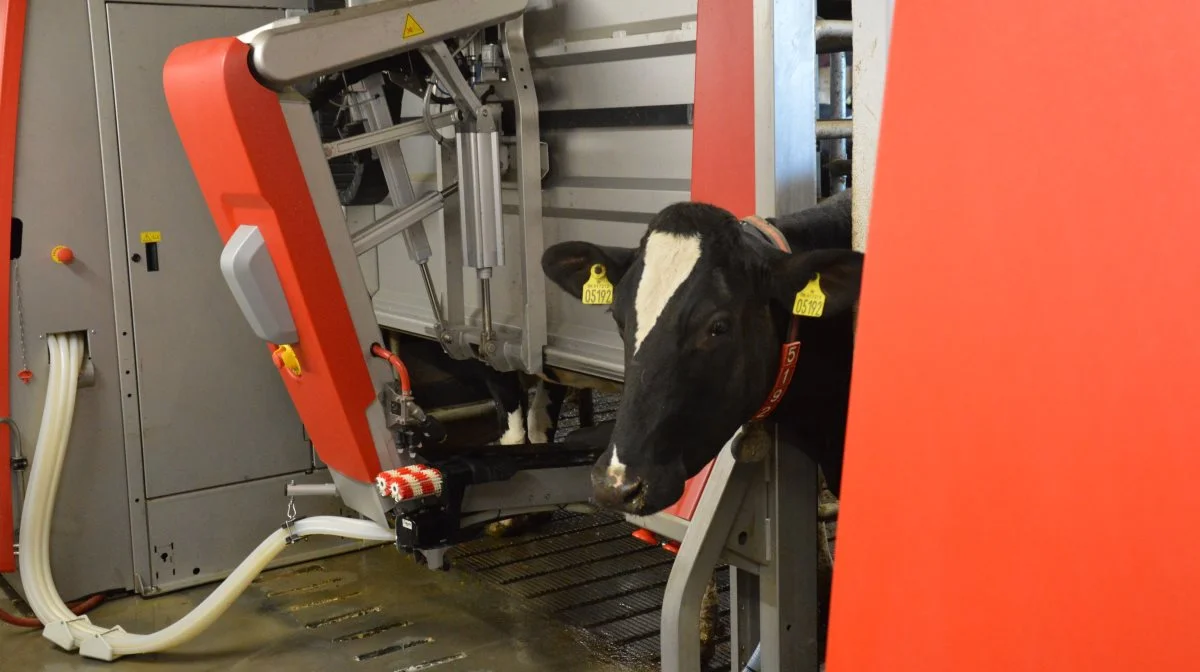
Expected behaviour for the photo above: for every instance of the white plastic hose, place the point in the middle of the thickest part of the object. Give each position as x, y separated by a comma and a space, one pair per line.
70, 631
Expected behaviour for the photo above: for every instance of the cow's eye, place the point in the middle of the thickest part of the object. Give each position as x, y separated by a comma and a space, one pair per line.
718, 328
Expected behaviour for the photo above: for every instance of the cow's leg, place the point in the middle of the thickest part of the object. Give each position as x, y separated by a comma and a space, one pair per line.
541, 421
547, 404
512, 399
710, 622
556, 396
586, 399
824, 568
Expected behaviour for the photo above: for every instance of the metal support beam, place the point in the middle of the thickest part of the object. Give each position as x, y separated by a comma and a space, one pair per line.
872, 35
833, 129
788, 590
283, 52
449, 414
528, 178
408, 129
451, 80
834, 36
694, 564
371, 106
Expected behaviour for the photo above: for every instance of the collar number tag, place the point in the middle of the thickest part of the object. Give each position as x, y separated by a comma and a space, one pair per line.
810, 301
598, 291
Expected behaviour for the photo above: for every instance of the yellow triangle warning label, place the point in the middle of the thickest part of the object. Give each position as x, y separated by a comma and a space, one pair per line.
411, 27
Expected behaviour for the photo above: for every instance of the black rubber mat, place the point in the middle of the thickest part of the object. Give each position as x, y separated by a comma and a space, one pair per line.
590, 573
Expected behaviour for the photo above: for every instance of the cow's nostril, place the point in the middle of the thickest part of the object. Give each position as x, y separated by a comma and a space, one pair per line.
629, 492
618, 496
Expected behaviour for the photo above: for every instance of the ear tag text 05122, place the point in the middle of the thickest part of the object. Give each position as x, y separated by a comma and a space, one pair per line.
810, 301
598, 291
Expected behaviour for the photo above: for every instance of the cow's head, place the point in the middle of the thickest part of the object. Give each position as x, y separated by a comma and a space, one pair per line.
702, 306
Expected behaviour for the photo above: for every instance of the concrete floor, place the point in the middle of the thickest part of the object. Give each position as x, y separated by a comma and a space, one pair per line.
371, 611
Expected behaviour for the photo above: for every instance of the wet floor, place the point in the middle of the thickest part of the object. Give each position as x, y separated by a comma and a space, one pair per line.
371, 611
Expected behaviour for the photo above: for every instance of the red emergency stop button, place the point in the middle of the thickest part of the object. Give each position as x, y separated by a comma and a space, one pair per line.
62, 254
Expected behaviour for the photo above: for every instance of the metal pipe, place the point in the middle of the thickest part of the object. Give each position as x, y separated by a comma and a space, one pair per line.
834, 36
477, 409
827, 28
434, 304
375, 233
311, 490
485, 298
837, 104
832, 129
408, 129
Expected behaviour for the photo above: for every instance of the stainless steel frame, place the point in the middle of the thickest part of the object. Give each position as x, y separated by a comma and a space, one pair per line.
872, 35
283, 54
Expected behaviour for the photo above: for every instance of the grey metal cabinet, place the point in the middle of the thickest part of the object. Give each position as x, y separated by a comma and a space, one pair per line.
213, 410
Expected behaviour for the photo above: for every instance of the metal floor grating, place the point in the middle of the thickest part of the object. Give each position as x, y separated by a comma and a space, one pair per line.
588, 572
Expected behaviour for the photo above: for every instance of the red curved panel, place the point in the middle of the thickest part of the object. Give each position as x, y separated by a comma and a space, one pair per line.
1021, 479
235, 136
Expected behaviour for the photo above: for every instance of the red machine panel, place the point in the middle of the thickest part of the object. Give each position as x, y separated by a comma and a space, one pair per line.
1021, 478
12, 42
235, 136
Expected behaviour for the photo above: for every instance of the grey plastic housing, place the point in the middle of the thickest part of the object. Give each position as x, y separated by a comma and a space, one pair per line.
250, 273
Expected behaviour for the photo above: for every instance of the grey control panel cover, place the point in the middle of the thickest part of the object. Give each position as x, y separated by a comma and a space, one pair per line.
248, 269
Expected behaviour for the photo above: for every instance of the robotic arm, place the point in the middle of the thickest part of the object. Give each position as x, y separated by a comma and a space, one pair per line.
289, 258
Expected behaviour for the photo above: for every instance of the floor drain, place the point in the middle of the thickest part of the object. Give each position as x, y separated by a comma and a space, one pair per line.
359, 613
307, 589
432, 663
400, 646
371, 632
288, 573
322, 601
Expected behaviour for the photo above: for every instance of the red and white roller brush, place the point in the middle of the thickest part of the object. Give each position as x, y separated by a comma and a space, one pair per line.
412, 482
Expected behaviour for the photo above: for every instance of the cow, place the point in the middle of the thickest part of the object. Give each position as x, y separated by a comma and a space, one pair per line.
706, 306
703, 306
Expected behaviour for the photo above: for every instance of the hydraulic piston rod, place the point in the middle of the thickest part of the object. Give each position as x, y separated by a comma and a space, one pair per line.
395, 222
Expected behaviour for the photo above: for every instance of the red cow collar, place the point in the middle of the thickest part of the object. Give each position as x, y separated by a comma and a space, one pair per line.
790, 352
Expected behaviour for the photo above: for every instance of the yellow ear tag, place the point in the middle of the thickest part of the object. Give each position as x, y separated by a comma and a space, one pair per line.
810, 301
598, 291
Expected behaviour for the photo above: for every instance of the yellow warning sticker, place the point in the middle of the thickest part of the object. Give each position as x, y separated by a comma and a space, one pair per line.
151, 236
810, 301
598, 291
411, 27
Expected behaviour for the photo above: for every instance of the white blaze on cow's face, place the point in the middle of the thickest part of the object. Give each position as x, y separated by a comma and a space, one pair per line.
669, 260
616, 470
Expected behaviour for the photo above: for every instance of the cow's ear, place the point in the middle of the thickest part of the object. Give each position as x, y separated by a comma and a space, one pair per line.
569, 264
821, 283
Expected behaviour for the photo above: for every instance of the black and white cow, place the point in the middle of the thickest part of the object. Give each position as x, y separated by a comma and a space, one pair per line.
704, 305
440, 380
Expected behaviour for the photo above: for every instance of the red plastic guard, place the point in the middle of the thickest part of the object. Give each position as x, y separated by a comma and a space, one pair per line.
237, 140
1026, 370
